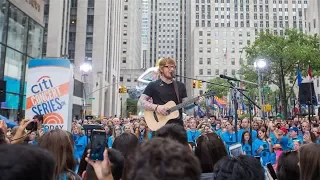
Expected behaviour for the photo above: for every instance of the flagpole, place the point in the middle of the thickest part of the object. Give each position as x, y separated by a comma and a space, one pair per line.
310, 88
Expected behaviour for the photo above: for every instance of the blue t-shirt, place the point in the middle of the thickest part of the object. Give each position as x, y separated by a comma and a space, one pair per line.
265, 154
247, 148
110, 141
80, 144
253, 135
283, 142
193, 135
228, 139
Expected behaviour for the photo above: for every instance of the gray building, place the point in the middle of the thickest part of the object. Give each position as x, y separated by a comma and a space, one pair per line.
90, 31
144, 32
220, 29
131, 62
168, 33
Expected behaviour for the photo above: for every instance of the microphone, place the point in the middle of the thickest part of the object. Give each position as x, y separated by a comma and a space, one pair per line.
228, 78
173, 75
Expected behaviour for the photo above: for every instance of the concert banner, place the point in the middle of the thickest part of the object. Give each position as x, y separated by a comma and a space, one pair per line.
50, 92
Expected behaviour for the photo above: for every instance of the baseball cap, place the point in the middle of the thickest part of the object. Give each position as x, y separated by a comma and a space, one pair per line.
284, 130
294, 129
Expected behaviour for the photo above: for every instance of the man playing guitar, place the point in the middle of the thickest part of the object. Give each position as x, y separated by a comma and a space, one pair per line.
162, 90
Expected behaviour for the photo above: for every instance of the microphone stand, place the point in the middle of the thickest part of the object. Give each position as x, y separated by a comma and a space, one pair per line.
231, 87
235, 89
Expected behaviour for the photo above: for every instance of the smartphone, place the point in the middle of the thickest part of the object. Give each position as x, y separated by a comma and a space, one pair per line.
235, 150
98, 144
271, 171
33, 126
257, 157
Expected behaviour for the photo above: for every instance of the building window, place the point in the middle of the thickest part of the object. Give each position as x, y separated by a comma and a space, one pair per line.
200, 33
200, 71
201, 61
208, 71
208, 41
200, 41
124, 60
121, 78
233, 72
233, 62
217, 71
225, 72
200, 50
208, 61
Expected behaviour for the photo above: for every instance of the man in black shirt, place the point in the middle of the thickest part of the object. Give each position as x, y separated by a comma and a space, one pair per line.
162, 90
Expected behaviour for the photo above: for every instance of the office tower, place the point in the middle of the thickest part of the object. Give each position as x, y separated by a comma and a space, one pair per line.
93, 29
220, 29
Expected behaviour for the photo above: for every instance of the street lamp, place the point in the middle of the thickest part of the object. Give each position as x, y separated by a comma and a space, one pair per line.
84, 68
260, 64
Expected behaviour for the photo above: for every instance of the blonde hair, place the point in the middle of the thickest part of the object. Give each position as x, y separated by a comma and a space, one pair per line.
165, 61
79, 127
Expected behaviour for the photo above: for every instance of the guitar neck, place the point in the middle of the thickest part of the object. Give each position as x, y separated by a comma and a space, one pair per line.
184, 104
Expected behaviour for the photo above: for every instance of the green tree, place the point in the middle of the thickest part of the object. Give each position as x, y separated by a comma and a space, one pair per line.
283, 54
132, 106
219, 90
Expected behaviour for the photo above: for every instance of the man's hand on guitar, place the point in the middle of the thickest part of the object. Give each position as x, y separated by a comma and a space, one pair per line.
201, 98
161, 109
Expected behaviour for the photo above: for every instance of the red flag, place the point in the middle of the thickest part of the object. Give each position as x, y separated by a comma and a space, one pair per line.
309, 73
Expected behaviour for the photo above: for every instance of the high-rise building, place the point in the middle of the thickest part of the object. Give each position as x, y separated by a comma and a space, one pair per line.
167, 33
93, 31
131, 58
21, 32
56, 36
131, 62
144, 32
220, 29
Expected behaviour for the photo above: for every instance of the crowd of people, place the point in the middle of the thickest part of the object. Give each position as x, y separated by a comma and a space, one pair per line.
185, 148
197, 150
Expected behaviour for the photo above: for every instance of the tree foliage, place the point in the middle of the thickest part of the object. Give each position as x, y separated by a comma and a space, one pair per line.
132, 106
220, 91
283, 54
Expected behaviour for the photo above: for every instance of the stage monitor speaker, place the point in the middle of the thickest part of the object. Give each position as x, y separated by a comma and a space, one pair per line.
307, 94
3, 87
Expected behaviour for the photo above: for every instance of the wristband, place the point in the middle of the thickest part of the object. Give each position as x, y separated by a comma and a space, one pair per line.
156, 108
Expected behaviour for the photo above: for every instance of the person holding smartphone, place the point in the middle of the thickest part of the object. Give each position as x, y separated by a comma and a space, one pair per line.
229, 137
262, 146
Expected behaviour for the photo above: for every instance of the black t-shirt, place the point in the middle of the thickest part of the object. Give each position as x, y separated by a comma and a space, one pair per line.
161, 93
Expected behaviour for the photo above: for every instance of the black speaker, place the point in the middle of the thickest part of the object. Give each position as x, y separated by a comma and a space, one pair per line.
3, 87
307, 94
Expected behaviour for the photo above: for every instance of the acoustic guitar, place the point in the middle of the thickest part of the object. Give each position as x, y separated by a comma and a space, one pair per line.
155, 120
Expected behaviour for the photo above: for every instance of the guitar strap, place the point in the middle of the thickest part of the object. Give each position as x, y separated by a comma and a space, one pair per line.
175, 86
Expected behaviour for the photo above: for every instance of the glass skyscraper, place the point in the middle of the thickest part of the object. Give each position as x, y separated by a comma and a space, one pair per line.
21, 39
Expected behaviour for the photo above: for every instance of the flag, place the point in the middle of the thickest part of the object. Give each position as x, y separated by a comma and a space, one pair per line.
299, 77
200, 112
309, 73
243, 106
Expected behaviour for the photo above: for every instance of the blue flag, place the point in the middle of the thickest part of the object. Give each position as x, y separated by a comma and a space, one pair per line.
243, 106
200, 113
299, 77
